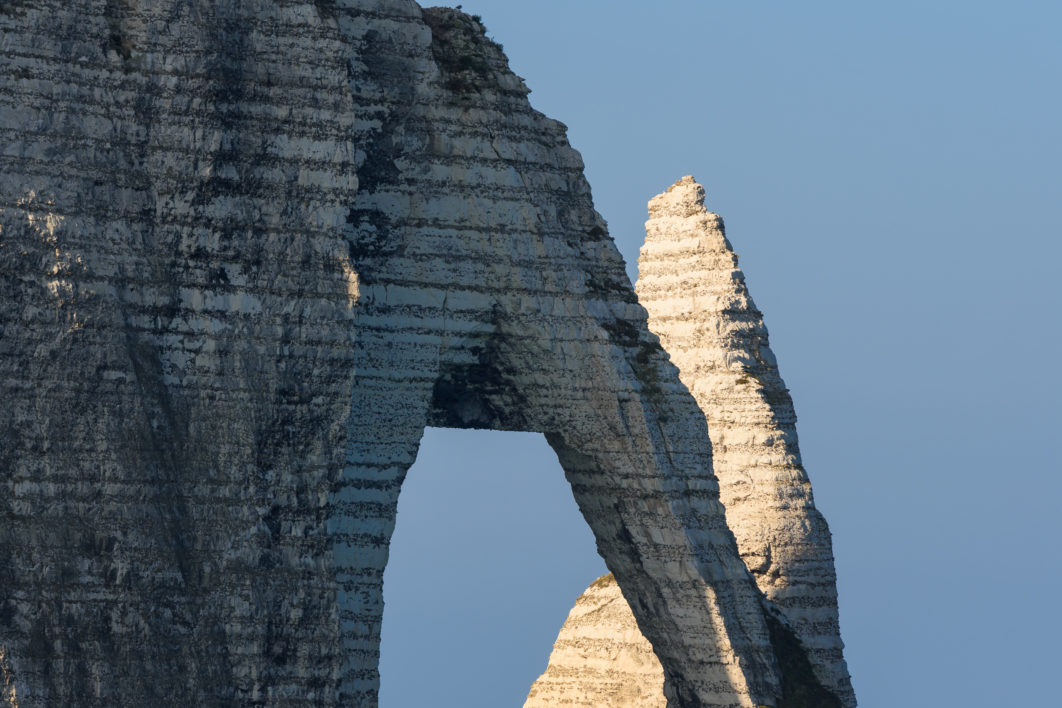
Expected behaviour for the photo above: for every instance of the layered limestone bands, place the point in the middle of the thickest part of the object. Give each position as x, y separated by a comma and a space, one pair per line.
699, 306
249, 250
176, 349
600, 658
492, 297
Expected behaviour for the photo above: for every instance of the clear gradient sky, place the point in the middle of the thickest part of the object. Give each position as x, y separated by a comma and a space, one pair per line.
891, 175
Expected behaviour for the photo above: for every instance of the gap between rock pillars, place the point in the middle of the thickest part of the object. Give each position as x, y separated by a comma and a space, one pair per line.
488, 549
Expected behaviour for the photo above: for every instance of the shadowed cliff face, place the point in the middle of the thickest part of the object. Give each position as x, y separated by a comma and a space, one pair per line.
248, 252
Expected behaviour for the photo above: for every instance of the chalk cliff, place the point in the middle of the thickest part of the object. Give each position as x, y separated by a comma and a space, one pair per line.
699, 306
248, 251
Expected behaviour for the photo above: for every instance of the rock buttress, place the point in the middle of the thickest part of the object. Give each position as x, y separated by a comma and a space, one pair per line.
176, 350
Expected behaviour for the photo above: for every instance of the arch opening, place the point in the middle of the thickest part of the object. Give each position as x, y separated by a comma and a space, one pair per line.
488, 552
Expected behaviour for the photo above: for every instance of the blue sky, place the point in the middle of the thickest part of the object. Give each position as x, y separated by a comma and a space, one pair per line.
891, 175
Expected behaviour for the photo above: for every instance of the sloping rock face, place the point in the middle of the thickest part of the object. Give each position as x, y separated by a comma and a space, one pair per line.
248, 251
600, 658
700, 307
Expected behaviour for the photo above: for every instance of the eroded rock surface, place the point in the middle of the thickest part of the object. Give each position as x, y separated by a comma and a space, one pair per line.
247, 252
700, 307
600, 658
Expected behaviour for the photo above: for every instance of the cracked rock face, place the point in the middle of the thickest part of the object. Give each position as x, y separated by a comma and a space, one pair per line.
248, 251
700, 307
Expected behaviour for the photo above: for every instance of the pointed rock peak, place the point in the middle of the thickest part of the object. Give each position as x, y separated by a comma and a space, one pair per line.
684, 198
678, 218
601, 659
699, 306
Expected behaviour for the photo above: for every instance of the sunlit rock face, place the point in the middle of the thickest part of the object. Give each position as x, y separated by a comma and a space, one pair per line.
248, 250
698, 304
600, 658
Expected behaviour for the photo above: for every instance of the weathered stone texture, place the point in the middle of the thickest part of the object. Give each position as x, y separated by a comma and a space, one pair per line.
492, 297
700, 307
176, 353
600, 658
247, 252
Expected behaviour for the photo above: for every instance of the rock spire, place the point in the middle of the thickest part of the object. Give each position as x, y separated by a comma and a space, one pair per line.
699, 306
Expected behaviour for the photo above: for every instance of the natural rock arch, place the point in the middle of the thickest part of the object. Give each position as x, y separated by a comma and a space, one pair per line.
257, 247
490, 296
488, 550
630, 439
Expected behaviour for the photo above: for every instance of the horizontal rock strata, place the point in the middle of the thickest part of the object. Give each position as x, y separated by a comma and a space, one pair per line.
249, 250
700, 307
600, 658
